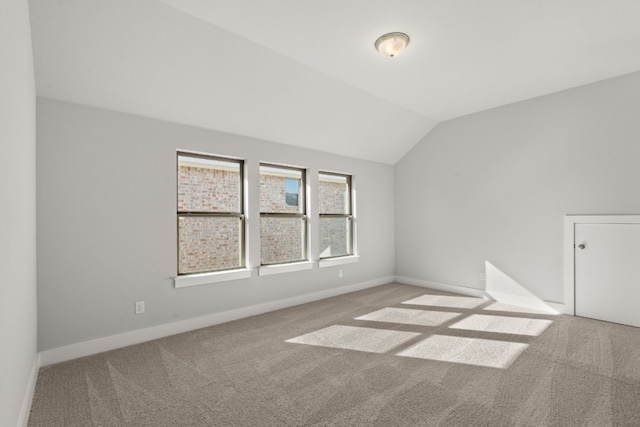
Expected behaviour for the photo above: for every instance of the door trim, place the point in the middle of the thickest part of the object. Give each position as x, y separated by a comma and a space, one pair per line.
570, 222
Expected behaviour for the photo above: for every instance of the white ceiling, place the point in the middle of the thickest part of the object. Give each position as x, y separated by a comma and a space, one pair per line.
306, 73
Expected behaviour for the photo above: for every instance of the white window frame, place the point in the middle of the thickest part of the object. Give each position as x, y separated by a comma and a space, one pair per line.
234, 273
304, 263
351, 256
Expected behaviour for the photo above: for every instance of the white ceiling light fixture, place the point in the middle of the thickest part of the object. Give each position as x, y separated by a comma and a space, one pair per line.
392, 44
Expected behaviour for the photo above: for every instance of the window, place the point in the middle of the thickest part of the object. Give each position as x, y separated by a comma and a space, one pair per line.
210, 214
283, 221
336, 228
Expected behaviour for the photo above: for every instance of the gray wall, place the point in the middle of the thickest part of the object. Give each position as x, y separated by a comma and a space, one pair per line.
107, 223
495, 186
17, 210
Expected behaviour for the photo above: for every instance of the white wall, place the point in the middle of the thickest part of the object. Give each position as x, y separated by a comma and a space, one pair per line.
17, 211
107, 223
495, 186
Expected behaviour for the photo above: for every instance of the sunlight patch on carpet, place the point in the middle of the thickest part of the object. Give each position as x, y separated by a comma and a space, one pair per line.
446, 301
469, 351
503, 324
355, 338
500, 306
408, 316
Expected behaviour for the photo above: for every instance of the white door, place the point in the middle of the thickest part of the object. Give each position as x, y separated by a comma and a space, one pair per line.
607, 272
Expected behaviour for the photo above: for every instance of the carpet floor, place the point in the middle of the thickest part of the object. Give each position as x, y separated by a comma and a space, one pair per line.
393, 355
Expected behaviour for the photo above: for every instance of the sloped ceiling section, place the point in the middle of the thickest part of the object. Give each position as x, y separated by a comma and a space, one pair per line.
464, 56
144, 57
305, 73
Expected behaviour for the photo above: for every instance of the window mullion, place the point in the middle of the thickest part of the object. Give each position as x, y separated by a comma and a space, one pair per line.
220, 214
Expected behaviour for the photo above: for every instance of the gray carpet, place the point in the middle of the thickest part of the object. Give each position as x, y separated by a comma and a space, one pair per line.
394, 355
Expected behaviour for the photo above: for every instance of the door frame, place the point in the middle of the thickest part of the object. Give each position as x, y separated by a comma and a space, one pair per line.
570, 222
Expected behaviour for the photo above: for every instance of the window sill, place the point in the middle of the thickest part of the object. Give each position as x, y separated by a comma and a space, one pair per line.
330, 262
266, 270
206, 278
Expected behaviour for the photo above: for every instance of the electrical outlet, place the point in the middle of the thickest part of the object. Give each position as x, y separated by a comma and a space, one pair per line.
339, 273
139, 307
483, 277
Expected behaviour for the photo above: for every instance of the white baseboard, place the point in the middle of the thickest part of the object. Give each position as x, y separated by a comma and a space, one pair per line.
86, 348
462, 290
28, 395
551, 307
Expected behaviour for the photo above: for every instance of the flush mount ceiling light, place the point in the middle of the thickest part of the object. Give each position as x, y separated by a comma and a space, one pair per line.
392, 44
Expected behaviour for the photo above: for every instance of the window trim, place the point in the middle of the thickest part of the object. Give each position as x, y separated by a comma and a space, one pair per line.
349, 256
302, 215
241, 215
195, 279
338, 260
285, 267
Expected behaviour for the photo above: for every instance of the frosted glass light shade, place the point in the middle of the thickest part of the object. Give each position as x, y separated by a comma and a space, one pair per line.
392, 44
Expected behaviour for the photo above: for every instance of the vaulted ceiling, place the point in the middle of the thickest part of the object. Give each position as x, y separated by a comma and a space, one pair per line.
306, 73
